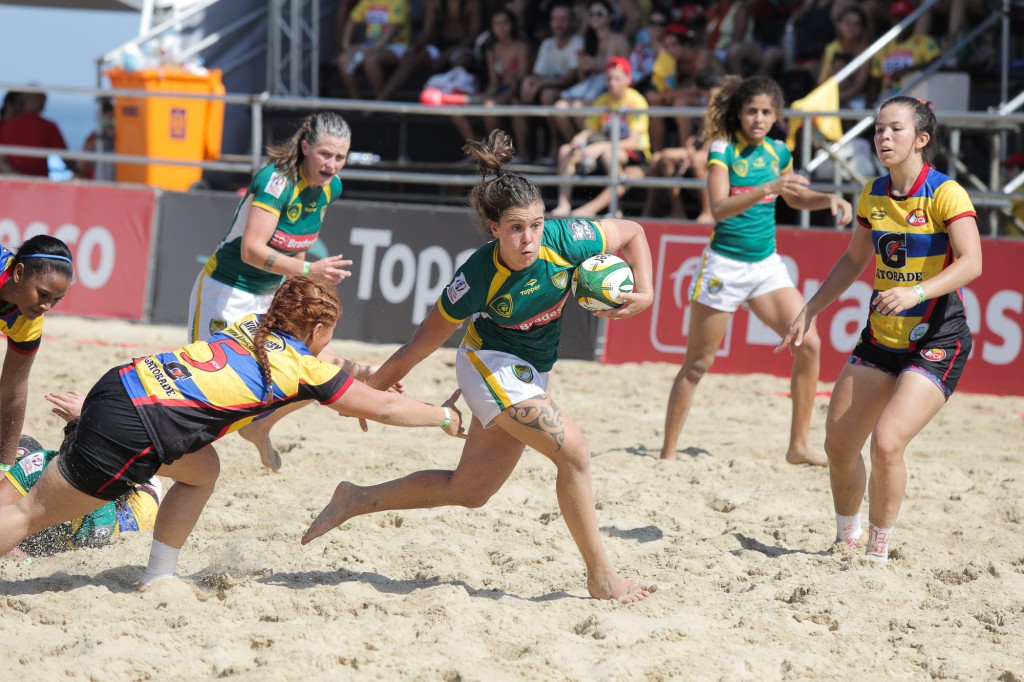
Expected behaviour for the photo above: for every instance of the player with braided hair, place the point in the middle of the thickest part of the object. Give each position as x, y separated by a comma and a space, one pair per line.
160, 414
277, 221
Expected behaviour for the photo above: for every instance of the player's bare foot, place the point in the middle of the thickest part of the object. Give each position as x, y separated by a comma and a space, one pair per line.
622, 591
806, 456
334, 514
260, 437
669, 455
561, 211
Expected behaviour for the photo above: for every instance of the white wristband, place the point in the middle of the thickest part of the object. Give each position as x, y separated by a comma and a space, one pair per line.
447, 417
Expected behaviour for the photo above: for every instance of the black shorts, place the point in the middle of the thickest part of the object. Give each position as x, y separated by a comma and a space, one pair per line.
111, 451
941, 360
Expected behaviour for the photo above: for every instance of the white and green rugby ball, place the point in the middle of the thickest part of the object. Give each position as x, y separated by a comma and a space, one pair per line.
599, 282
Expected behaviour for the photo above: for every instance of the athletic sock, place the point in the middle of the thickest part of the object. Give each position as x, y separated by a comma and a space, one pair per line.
878, 542
163, 560
848, 530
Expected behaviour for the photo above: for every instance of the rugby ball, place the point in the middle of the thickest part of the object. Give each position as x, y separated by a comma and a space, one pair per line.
599, 282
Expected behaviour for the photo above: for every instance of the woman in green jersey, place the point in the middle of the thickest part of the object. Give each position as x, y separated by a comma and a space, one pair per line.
513, 290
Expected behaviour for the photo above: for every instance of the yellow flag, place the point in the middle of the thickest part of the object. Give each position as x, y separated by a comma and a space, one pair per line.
825, 97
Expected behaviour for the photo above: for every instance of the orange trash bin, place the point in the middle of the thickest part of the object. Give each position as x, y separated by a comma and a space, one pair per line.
166, 127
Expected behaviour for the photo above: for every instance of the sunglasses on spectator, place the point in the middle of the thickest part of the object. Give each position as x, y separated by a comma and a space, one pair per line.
597, 13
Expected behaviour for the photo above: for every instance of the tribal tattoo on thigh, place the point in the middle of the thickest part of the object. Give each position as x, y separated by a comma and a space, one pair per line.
542, 414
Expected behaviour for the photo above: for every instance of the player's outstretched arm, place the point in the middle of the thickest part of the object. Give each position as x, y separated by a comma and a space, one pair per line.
388, 407
68, 405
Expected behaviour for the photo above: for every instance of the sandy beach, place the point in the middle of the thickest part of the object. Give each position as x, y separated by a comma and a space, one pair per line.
738, 541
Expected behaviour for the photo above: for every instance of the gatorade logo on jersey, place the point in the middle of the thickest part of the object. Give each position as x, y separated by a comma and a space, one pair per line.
893, 249
917, 217
933, 354
502, 305
524, 373
560, 279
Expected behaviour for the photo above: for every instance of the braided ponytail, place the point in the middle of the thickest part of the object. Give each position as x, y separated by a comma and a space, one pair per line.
298, 306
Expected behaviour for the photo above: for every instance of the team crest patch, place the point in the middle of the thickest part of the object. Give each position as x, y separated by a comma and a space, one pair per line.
933, 354
775, 167
560, 279
458, 288
917, 217
274, 343
878, 213
502, 305
741, 167
524, 373
714, 285
294, 212
276, 185
217, 325
918, 332
581, 229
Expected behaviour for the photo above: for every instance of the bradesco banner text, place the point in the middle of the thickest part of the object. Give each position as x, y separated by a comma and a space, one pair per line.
108, 230
994, 304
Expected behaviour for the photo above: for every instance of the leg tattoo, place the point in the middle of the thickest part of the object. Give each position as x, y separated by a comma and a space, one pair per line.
541, 414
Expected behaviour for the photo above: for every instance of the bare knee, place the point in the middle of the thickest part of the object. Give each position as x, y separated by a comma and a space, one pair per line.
886, 450
810, 347
695, 370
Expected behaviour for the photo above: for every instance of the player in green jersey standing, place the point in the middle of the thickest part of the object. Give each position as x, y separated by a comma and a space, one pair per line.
747, 171
513, 289
277, 221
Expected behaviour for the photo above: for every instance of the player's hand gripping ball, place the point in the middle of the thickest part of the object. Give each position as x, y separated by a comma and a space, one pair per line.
599, 282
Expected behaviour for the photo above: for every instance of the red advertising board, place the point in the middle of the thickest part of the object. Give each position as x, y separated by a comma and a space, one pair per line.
109, 231
994, 302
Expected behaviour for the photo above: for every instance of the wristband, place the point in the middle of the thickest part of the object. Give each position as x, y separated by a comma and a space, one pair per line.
920, 293
306, 267
4, 468
447, 418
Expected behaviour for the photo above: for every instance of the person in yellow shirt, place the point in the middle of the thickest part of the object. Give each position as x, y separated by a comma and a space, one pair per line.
909, 52
593, 144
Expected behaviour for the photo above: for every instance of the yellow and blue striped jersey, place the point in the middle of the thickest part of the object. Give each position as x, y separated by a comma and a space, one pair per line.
911, 246
749, 236
23, 335
194, 395
520, 311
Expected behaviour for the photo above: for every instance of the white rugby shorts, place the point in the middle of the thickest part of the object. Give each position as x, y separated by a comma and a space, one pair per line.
214, 305
492, 381
725, 284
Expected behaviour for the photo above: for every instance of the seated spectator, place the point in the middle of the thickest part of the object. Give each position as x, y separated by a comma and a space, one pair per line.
445, 42
507, 56
690, 157
729, 35
600, 43
374, 38
673, 82
813, 29
593, 144
627, 16
29, 129
852, 38
908, 53
99, 140
956, 14
647, 48
553, 71
10, 108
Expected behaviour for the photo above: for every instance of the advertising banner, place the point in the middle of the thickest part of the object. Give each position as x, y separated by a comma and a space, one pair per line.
994, 303
403, 256
109, 231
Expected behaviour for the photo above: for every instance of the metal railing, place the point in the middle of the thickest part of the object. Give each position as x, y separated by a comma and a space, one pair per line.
992, 123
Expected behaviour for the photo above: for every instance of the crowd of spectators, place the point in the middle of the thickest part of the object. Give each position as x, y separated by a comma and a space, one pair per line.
633, 54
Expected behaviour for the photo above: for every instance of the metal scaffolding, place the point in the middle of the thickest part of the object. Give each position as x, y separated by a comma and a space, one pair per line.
293, 51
